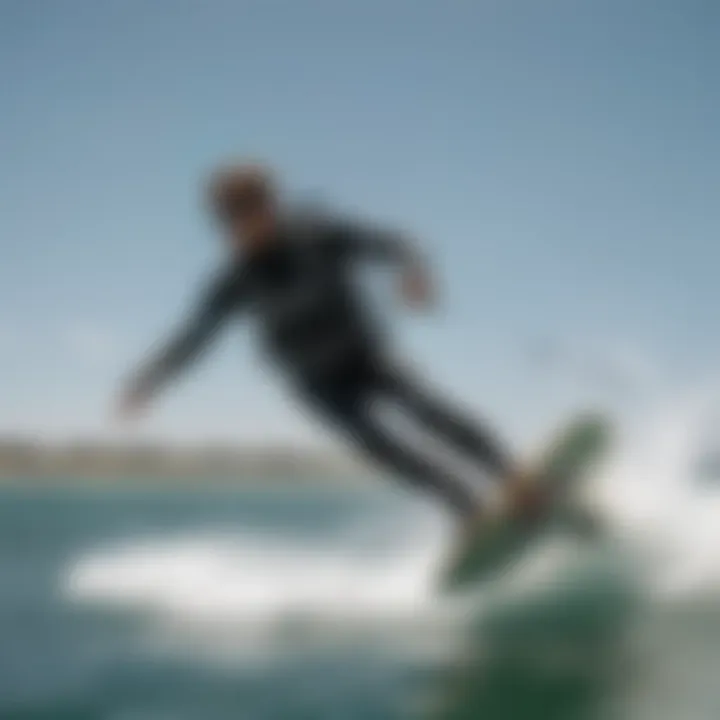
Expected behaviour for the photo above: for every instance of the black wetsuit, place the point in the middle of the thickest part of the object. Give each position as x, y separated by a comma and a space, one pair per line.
318, 330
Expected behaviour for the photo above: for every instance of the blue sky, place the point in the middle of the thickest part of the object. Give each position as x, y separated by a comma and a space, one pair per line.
559, 160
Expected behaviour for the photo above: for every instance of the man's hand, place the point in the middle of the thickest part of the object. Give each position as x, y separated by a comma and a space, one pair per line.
417, 287
131, 405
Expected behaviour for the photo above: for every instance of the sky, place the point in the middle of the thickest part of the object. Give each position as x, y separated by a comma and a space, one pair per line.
559, 161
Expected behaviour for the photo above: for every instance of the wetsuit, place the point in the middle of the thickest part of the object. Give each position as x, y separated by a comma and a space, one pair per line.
318, 329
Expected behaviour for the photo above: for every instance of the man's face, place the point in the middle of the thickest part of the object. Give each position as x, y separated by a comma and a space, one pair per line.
250, 228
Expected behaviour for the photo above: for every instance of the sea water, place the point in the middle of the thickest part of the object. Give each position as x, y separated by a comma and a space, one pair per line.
290, 602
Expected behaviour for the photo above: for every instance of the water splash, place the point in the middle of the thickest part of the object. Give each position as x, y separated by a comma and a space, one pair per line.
379, 576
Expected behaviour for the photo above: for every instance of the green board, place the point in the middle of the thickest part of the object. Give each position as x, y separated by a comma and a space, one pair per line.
568, 459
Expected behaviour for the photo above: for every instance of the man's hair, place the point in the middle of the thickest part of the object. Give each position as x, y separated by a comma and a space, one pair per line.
240, 187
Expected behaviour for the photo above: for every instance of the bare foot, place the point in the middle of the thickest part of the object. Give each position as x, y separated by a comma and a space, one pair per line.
527, 498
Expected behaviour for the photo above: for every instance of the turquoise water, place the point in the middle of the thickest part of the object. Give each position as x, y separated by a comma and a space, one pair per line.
318, 604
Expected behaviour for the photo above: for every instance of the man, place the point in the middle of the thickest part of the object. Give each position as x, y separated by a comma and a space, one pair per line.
294, 276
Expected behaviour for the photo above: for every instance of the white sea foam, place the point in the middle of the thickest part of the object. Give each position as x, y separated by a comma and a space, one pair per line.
254, 575
382, 576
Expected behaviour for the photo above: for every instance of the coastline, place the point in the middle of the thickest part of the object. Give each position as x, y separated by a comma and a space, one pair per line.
25, 463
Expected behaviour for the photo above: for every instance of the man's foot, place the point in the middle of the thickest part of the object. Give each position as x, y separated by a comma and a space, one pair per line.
526, 497
523, 498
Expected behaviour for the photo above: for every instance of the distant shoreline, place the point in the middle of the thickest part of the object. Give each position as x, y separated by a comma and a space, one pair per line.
86, 463
31, 486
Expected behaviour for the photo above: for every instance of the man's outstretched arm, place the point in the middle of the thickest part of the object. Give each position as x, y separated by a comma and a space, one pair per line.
178, 353
358, 240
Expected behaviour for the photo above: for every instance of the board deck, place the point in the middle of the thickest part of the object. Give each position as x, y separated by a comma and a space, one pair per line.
566, 461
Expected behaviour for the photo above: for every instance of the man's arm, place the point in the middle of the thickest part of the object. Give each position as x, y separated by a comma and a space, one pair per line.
374, 242
182, 350
356, 240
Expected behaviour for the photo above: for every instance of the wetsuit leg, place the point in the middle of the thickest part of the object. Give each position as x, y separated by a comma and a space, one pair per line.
350, 409
467, 435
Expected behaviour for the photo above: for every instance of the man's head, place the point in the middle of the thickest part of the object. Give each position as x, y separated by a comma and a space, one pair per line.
243, 198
